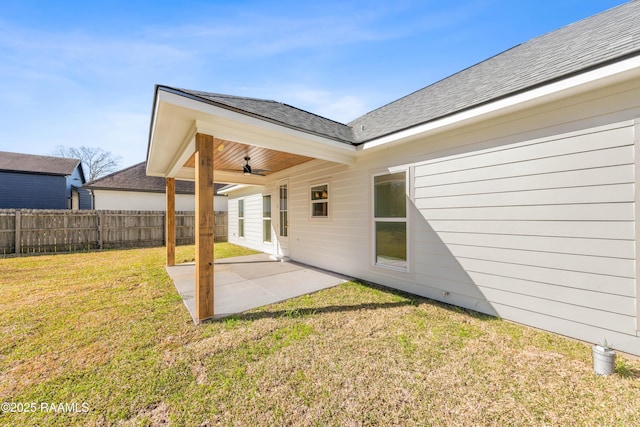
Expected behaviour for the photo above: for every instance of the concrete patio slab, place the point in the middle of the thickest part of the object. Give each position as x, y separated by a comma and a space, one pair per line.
247, 282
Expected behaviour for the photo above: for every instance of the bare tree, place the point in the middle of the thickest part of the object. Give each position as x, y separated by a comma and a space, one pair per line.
95, 161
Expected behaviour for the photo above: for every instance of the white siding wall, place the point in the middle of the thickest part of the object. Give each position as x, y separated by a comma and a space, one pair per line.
144, 201
526, 223
530, 217
253, 236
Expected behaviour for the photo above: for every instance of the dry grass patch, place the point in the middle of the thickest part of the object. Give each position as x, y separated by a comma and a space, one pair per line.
108, 329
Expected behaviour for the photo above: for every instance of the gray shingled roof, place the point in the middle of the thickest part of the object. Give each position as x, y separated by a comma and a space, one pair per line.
134, 178
31, 163
276, 112
578, 47
587, 44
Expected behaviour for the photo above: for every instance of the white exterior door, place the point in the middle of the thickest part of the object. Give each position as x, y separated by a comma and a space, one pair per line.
283, 218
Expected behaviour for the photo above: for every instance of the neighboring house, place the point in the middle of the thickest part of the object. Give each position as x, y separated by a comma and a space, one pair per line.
30, 181
509, 188
132, 189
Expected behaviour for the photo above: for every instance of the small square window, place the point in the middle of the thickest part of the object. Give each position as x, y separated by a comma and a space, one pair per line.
320, 201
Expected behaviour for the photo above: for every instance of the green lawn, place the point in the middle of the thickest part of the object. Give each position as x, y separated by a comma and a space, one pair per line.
107, 332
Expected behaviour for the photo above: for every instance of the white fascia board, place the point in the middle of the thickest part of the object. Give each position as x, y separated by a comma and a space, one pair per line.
607, 75
151, 149
227, 124
184, 151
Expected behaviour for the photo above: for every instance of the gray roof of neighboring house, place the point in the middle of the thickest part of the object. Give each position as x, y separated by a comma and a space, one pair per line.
134, 178
587, 44
31, 163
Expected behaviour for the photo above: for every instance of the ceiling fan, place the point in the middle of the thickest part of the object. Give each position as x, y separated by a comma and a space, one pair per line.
248, 170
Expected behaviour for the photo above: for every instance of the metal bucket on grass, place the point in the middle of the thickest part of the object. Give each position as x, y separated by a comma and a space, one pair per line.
604, 360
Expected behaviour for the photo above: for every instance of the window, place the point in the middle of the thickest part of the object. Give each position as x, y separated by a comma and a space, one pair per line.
266, 219
241, 218
320, 201
284, 212
390, 219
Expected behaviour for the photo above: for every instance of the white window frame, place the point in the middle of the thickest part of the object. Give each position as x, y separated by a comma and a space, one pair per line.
269, 218
283, 224
241, 219
313, 202
406, 220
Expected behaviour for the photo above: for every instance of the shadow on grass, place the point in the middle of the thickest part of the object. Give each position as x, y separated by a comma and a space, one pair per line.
302, 312
408, 299
418, 300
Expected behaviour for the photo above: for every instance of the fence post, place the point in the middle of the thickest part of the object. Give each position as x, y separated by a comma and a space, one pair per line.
65, 226
100, 229
18, 225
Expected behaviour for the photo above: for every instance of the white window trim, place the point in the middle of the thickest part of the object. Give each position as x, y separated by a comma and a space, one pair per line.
409, 196
244, 223
327, 201
270, 218
280, 236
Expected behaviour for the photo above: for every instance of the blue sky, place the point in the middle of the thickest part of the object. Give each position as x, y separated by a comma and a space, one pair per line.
82, 73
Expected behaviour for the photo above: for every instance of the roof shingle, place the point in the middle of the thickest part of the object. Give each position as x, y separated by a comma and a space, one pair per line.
134, 178
279, 113
31, 163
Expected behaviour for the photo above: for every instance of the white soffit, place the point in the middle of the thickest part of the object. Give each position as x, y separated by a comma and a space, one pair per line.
601, 77
178, 118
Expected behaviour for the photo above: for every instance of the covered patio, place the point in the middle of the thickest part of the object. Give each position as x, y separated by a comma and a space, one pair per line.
251, 281
209, 138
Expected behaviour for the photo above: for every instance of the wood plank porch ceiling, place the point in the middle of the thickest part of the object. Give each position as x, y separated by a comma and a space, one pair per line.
229, 156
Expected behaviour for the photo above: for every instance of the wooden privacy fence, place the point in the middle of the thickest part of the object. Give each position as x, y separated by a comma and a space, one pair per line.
36, 230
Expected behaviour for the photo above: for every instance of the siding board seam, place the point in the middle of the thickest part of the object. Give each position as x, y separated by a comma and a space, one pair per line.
524, 160
506, 276
519, 191
630, 239
527, 220
516, 145
545, 283
538, 251
480, 287
526, 205
507, 177
572, 320
544, 266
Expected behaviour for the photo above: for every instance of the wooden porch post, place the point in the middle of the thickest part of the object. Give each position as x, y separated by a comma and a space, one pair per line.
170, 222
204, 227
